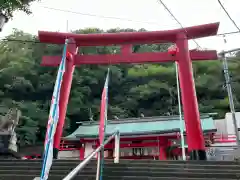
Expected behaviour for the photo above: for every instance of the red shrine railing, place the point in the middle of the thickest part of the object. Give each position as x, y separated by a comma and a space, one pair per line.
76, 145
69, 145
224, 138
217, 138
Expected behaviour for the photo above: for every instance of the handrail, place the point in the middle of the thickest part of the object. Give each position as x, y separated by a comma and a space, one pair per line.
89, 157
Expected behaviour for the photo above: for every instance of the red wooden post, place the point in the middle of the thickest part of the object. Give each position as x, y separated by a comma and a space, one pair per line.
162, 144
162, 153
64, 95
82, 152
126, 49
194, 132
97, 145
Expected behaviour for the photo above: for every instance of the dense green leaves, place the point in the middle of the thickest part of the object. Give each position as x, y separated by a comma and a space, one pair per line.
7, 7
148, 89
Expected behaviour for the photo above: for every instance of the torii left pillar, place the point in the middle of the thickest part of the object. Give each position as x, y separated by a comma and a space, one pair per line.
64, 95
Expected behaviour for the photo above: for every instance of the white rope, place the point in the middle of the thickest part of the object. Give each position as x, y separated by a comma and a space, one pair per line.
180, 115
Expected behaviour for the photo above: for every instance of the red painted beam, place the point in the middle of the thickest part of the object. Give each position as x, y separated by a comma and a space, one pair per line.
138, 58
68, 149
224, 141
123, 139
127, 139
105, 39
149, 138
131, 145
137, 157
203, 55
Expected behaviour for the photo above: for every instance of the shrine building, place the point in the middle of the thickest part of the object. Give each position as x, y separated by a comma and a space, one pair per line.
141, 138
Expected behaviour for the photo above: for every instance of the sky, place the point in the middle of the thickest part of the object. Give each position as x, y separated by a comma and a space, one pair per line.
148, 14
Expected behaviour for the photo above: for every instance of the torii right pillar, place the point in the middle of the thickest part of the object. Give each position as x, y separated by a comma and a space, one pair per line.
195, 138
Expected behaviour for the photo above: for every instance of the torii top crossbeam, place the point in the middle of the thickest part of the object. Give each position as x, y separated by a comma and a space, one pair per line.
105, 39
126, 39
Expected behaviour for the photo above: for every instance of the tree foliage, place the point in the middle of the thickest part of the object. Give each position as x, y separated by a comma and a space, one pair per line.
133, 89
7, 7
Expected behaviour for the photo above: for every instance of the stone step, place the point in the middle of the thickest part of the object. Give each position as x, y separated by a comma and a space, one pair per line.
131, 162
93, 177
146, 173
126, 168
37, 165
135, 161
184, 174
195, 166
182, 162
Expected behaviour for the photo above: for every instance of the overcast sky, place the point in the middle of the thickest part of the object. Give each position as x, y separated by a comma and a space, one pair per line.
148, 14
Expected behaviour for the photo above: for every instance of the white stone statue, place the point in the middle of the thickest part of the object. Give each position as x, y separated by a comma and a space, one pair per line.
8, 123
10, 120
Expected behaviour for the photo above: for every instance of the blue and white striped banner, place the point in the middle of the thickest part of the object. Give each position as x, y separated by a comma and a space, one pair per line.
53, 119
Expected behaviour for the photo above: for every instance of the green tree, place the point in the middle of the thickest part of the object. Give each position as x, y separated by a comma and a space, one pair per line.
7, 7
133, 89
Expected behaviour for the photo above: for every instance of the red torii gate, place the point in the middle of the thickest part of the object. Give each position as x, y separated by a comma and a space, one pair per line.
180, 37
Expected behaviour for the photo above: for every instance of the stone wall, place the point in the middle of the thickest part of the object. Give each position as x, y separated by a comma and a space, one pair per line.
69, 154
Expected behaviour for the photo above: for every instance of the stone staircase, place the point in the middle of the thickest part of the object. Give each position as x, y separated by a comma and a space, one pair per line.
125, 170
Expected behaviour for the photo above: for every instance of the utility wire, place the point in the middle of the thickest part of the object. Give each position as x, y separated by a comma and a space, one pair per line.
228, 33
228, 15
100, 16
110, 17
169, 11
123, 19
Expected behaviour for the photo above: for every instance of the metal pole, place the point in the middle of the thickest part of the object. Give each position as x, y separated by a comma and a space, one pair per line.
180, 115
88, 158
98, 166
230, 96
117, 148
67, 26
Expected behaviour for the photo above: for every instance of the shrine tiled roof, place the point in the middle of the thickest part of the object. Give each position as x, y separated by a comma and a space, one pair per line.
139, 126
